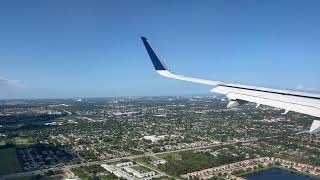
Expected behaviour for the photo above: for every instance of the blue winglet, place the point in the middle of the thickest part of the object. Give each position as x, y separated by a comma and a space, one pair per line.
158, 65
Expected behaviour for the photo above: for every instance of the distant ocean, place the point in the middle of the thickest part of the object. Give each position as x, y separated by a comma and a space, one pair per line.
277, 174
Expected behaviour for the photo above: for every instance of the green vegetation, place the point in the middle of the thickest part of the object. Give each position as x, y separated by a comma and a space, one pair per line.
108, 177
81, 173
92, 172
8, 161
176, 157
145, 162
23, 141
184, 162
140, 169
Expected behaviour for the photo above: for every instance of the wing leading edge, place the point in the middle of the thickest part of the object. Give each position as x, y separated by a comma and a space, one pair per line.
305, 103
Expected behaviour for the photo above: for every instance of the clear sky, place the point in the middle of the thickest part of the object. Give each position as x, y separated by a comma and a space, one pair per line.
76, 48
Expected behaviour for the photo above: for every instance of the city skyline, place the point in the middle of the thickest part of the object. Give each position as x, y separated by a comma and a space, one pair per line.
56, 49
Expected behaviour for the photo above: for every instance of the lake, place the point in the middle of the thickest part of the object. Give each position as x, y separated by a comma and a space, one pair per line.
277, 174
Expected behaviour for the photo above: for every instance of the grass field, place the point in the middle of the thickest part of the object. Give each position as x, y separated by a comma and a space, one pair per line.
8, 161
140, 169
92, 172
81, 173
174, 156
23, 140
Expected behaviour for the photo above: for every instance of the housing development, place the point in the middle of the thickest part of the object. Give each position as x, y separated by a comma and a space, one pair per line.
192, 137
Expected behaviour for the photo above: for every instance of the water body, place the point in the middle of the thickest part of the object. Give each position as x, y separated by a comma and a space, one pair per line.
278, 174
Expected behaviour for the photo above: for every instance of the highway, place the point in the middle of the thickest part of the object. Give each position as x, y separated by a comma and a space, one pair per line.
30, 173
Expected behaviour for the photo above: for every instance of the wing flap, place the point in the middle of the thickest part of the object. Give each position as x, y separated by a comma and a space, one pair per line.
292, 103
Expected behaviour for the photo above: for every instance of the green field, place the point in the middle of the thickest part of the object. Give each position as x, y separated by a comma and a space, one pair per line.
91, 172
188, 161
23, 140
140, 169
81, 173
8, 161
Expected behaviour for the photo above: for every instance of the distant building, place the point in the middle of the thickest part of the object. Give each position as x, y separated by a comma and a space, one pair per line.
139, 174
154, 138
117, 171
160, 161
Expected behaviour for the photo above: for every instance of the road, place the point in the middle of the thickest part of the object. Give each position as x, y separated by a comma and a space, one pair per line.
30, 173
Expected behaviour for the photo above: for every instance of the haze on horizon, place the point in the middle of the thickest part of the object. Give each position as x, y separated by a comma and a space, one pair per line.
77, 48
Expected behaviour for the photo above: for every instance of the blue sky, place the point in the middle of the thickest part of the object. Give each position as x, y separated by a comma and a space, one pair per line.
76, 48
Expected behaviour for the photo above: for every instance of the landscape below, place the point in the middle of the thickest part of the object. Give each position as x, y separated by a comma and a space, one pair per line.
173, 137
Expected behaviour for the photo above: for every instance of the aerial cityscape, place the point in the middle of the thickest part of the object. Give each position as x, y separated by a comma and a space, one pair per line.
182, 137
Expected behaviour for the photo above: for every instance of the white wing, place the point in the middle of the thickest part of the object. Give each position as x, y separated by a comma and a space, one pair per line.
306, 103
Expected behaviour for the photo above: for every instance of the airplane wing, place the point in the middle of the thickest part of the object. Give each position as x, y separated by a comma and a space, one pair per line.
302, 102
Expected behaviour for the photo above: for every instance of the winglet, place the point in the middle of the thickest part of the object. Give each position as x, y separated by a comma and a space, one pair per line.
162, 69
158, 65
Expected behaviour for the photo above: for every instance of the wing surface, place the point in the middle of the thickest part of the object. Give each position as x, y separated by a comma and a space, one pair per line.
302, 102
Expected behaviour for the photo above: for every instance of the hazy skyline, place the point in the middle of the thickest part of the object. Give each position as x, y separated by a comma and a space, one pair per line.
51, 49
